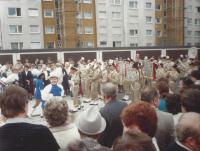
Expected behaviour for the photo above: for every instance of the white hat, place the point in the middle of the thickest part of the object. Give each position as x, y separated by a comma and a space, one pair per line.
167, 57
53, 74
90, 122
181, 56
145, 58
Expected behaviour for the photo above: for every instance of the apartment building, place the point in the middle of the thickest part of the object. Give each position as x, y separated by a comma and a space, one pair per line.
159, 23
21, 24
192, 23
174, 21
139, 23
50, 24
125, 23
79, 23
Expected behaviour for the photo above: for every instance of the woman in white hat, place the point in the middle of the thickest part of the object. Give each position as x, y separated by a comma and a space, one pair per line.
53, 89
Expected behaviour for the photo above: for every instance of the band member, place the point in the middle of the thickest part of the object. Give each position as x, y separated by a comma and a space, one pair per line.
39, 85
53, 89
75, 83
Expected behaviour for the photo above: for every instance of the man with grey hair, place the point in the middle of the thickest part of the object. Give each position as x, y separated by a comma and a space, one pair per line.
188, 133
165, 125
111, 113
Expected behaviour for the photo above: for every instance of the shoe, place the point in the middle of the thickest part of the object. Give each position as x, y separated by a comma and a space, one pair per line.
94, 103
86, 101
74, 109
126, 97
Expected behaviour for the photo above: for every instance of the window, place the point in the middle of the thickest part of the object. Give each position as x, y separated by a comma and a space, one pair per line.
33, 12
116, 2
87, 44
197, 44
198, 9
158, 33
15, 29
148, 19
148, 5
103, 43
49, 30
48, 13
87, 1
189, 33
116, 30
149, 44
51, 44
149, 32
189, 8
35, 45
14, 12
117, 43
133, 32
16, 45
88, 15
102, 14
189, 44
133, 4
158, 20
197, 34
133, 44
103, 29
197, 21
158, 7
89, 30
34, 29
189, 21
116, 15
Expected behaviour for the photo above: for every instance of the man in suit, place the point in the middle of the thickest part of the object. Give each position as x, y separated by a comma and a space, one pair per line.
111, 113
188, 134
165, 125
26, 80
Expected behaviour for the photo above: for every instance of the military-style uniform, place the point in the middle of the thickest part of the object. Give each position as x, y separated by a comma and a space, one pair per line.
75, 82
113, 77
160, 73
95, 84
135, 85
128, 79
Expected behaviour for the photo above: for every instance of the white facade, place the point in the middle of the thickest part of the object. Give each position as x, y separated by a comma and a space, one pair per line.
124, 23
192, 22
21, 24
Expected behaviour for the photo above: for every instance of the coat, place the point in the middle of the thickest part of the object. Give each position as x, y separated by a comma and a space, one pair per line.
114, 128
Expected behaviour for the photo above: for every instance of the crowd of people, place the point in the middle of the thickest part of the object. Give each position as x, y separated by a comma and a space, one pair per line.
160, 110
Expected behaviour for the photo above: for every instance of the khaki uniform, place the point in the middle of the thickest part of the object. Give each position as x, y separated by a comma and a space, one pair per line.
160, 73
173, 78
87, 82
95, 84
128, 79
148, 72
83, 75
135, 86
113, 77
75, 79
121, 68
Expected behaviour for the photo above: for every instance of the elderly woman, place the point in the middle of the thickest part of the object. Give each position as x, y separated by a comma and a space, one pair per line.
140, 118
18, 134
56, 115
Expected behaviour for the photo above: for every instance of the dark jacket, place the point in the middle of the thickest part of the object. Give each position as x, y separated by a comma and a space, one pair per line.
114, 128
175, 147
23, 81
26, 137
